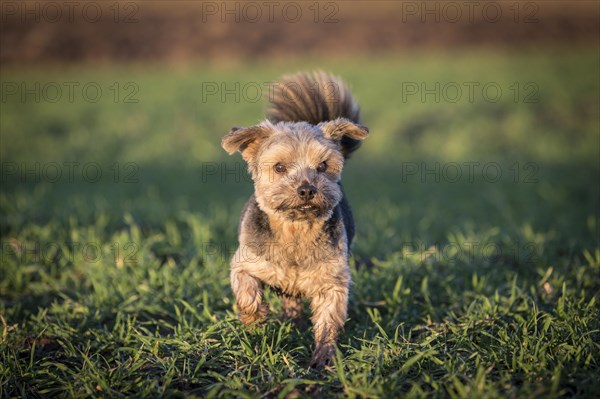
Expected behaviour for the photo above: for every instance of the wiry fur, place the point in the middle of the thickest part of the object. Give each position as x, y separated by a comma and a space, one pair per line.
298, 244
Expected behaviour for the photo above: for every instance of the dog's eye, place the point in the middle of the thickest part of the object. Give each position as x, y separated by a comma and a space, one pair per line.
280, 168
322, 167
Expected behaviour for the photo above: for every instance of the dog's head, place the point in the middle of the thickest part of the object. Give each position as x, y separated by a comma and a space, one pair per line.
296, 166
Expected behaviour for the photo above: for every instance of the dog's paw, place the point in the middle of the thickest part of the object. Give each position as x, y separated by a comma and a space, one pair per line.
322, 356
248, 318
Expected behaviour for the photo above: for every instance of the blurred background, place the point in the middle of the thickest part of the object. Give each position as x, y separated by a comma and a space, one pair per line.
207, 32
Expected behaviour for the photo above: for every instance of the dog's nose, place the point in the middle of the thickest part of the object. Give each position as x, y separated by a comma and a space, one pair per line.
307, 192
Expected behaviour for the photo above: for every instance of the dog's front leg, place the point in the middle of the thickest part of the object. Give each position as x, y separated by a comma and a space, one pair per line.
248, 292
329, 309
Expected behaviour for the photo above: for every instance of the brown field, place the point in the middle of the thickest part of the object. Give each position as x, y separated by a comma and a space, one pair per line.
40, 31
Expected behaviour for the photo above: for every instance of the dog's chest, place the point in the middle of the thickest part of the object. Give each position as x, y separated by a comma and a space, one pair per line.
299, 246
307, 258
295, 257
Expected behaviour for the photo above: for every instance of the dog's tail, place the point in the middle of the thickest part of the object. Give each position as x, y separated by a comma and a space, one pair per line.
314, 97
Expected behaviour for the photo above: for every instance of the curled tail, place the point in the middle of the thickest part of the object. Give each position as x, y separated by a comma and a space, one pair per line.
314, 97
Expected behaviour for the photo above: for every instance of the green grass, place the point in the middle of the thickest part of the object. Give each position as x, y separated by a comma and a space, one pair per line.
473, 288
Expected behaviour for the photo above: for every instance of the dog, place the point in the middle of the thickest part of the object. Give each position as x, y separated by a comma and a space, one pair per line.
296, 230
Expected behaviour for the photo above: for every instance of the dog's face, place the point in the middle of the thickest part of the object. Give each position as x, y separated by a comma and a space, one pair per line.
296, 167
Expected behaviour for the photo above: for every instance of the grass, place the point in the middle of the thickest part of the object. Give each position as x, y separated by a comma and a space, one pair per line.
470, 287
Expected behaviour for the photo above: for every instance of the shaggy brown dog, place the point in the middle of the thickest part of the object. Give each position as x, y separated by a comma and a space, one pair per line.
297, 227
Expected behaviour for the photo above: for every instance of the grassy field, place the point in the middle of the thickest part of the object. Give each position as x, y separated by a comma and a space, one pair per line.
476, 265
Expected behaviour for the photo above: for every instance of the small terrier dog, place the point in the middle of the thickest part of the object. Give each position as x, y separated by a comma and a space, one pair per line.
296, 229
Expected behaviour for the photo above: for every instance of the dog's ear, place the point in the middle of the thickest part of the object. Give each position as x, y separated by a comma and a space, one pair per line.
246, 140
339, 128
